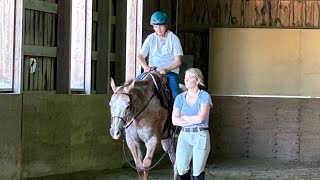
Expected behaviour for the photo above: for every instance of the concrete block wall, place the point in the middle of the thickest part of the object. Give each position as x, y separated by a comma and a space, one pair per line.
67, 133
43, 133
10, 136
284, 129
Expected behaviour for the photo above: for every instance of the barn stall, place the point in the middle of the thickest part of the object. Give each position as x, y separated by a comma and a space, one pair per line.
259, 58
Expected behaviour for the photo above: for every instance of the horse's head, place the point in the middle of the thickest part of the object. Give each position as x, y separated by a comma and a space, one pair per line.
120, 108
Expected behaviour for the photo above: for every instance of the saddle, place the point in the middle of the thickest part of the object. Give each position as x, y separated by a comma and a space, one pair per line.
162, 88
166, 100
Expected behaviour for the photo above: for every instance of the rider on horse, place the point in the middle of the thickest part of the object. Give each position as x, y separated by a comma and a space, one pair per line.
164, 50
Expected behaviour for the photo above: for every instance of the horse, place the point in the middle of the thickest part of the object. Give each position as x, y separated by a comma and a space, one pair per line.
138, 114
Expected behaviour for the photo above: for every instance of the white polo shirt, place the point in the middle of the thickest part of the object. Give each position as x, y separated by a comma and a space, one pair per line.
162, 50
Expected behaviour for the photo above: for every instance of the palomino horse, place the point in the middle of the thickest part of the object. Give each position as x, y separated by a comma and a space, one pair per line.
137, 113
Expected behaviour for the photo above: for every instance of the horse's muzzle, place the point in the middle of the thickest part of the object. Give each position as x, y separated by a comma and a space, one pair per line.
115, 133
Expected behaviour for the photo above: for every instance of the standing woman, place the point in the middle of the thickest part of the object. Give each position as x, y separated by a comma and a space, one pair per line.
191, 111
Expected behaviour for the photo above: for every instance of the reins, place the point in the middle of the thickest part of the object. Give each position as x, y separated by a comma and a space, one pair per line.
127, 124
132, 119
148, 169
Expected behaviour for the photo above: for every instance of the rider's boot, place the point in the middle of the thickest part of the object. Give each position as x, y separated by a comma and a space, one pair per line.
199, 177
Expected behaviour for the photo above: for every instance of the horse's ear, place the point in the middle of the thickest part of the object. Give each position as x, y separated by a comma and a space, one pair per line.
113, 85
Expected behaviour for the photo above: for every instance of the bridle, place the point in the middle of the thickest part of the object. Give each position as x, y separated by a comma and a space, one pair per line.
131, 109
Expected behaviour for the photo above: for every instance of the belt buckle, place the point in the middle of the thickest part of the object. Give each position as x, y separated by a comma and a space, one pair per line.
191, 129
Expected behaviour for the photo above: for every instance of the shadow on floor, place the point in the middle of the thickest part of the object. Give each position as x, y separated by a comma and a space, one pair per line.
224, 169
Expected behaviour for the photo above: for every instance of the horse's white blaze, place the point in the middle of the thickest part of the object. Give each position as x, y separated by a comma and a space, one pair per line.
119, 105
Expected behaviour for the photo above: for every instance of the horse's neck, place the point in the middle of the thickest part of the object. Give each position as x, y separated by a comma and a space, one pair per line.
141, 97
143, 93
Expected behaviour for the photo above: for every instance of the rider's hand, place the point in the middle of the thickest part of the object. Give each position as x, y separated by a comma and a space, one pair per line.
147, 69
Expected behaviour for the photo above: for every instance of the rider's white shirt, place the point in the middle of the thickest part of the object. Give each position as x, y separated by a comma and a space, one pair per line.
162, 50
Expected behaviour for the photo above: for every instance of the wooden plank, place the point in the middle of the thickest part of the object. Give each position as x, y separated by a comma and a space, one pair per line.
103, 46
309, 13
18, 57
149, 7
41, 6
53, 43
36, 42
249, 13
26, 41
94, 36
50, 71
218, 13
298, 14
120, 59
165, 5
94, 55
193, 27
93, 75
259, 16
225, 18
316, 14
138, 40
26, 73
236, 12
274, 11
88, 49
94, 6
95, 18
63, 51
32, 34
40, 43
46, 59
134, 31
34, 50
284, 11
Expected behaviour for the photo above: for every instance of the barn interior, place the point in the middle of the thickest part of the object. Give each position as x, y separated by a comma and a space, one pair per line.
260, 61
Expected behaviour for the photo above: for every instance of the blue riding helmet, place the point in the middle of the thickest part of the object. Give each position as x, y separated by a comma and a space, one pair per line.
159, 18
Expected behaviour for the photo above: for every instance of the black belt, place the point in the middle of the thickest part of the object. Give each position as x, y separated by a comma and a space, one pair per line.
195, 129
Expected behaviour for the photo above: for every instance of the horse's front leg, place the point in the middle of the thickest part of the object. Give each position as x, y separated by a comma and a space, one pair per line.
135, 148
151, 145
170, 146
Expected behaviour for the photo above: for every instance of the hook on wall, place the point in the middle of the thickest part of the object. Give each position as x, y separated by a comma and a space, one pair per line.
33, 65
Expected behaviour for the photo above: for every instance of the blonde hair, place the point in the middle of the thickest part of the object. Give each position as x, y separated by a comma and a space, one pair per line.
199, 75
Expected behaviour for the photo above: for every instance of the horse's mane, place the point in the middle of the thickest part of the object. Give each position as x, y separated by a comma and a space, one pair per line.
148, 86
146, 80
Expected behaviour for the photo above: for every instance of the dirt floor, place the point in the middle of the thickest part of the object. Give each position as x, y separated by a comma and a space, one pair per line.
240, 169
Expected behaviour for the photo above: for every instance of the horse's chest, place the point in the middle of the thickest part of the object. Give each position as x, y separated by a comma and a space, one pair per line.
143, 132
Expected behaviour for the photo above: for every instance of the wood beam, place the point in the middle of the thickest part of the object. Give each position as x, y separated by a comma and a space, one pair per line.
41, 6
63, 43
133, 37
103, 67
120, 50
17, 84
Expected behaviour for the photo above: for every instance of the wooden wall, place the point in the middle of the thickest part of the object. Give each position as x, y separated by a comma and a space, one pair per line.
40, 43
260, 61
252, 13
281, 129
195, 17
